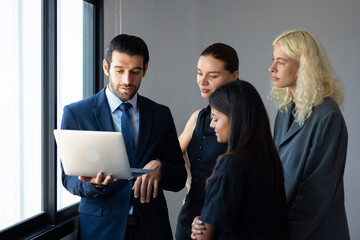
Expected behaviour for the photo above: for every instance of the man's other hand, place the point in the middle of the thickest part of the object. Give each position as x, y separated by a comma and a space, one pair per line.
148, 184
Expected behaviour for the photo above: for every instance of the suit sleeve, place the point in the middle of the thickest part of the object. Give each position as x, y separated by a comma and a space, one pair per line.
323, 174
72, 183
173, 165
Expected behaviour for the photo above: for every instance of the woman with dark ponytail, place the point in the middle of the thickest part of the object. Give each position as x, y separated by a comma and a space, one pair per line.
218, 64
245, 196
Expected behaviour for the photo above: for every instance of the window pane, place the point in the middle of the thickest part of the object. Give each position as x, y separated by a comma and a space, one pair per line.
75, 65
20, 101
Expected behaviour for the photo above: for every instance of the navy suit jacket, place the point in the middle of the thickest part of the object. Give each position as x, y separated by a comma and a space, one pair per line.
103, 214
313, 156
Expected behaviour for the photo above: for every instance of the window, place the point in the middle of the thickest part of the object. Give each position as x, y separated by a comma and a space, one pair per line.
51, 54
75, 49
20, 99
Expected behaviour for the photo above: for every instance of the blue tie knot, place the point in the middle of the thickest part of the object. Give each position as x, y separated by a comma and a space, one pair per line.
125, 106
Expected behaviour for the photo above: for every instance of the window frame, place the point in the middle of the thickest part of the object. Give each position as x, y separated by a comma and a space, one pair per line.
53, 223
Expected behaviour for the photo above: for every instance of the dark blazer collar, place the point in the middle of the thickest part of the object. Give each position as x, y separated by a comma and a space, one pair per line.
145, 127
102, 112
289, 130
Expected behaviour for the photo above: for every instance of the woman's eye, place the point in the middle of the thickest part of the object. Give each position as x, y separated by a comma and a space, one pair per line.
213, 76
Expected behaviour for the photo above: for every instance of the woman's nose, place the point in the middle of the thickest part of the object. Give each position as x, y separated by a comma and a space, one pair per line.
272, 68
212, 124
202, 80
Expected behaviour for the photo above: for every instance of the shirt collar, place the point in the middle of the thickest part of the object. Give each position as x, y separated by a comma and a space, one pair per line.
114, 101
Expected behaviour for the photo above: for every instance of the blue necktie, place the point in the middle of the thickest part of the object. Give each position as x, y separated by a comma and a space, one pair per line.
127, 130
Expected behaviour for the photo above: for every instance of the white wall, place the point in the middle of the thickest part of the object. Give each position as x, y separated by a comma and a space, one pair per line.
177, 31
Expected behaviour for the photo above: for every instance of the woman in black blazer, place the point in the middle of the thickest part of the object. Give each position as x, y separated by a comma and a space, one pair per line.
245, 196
310, 135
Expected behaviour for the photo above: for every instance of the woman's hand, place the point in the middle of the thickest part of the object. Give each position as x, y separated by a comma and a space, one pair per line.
201, 230
197, 228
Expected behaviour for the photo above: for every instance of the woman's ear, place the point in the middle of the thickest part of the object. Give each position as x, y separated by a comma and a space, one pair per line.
235, 75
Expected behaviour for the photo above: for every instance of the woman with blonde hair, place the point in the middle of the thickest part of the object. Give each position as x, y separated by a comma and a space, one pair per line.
310, 135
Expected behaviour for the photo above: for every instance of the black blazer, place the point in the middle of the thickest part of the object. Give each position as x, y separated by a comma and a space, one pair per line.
103, 215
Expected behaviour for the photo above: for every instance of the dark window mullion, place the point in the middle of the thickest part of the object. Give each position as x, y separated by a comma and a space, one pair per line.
88, 49
99, 49
49, 107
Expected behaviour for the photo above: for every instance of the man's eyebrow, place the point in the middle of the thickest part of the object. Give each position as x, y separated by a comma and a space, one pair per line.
119, 66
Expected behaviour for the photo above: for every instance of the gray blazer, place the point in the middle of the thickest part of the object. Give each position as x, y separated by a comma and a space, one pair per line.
313, 156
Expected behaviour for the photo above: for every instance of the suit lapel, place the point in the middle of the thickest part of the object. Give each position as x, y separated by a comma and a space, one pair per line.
102, 112
289, 130
294, 129
145, 126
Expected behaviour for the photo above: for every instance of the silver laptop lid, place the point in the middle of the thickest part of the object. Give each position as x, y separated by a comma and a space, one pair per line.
86, 153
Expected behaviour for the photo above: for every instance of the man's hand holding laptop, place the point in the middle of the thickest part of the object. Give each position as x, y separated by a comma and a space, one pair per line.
98, 180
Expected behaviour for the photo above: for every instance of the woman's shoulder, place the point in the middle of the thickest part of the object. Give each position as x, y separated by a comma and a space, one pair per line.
237, 170
195, 116
328, 105
203, 113
237, 163
187, 133
190, 125
328, 110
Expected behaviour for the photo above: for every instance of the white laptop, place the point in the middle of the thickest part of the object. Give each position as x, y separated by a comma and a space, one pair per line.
86, 153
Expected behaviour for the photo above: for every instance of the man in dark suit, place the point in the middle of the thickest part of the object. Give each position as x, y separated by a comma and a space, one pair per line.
121, 209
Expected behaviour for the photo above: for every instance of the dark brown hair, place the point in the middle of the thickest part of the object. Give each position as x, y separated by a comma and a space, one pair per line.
128, 44
250, 133
224, 53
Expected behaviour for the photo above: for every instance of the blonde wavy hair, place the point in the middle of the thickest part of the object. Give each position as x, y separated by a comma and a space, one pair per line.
316, 79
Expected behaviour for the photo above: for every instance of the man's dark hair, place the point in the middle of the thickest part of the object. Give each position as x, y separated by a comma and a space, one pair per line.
128, 44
